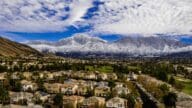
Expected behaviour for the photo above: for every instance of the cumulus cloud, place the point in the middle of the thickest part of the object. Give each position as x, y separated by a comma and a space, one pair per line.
144, 17
111, 16
41, 15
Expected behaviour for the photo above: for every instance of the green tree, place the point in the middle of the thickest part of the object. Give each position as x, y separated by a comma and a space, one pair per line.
4, 95
172, 80
162, 75
40, 84
112, 84
131, 101
58, 100
164, 88
15, 85
90, 92
3, 68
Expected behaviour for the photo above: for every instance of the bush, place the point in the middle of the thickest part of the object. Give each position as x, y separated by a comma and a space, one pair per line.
172, 80
170, 100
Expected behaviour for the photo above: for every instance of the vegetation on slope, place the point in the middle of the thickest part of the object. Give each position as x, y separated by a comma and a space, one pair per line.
12, 49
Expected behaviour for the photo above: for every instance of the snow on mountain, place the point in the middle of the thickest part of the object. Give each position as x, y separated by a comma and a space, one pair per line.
129, 45
80, 39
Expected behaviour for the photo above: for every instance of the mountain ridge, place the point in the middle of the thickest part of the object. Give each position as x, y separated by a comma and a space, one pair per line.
127, 45
10, 48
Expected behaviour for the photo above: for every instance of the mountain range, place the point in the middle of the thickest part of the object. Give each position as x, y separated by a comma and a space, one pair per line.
132, 46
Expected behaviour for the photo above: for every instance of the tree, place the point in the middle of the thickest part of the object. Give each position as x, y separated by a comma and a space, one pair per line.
40, 84
170, 100
112, 84
164, 88
4, 95
172, 80
3, 68
180, 69
15, 85
90, 92
162, 75
58, 100
131, 101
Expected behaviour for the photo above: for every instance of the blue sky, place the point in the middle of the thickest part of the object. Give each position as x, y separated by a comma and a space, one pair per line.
51, 20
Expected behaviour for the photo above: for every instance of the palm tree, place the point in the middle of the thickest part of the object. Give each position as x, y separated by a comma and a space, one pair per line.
170, 100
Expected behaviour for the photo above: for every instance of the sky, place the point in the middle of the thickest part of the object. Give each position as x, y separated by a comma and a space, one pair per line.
52, 20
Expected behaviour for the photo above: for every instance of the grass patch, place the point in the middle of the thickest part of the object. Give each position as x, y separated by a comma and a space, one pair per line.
89, 68
134, 68
105, 69
188, 88
187, 85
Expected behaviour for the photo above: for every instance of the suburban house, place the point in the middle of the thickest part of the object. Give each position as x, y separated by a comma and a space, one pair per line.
112, 76
70, 81
121, 90
82, 89
28, 85
119, 84
102, 91
69, 89
72, 101
131, 76
53, 88
102, 83
2, 78
90, 75
15, 76
93, 102
78, 74
57, 74
81, 82
91, 84
42, 75
42, 96
16, 97
49, 76
27, 75
116, 102
102, 76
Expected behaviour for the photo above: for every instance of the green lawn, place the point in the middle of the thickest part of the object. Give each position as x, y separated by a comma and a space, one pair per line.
188, 88
104, 69
188, 85
133, 67
89, 68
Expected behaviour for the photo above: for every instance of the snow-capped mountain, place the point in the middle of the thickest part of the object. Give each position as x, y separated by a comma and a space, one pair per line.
82, 43
80, 40
77, 43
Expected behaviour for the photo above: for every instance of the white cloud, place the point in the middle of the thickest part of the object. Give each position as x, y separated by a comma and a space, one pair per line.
144, 17
114, 16
41, 15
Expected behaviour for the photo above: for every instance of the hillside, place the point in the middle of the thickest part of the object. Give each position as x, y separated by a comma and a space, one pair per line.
9, 48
